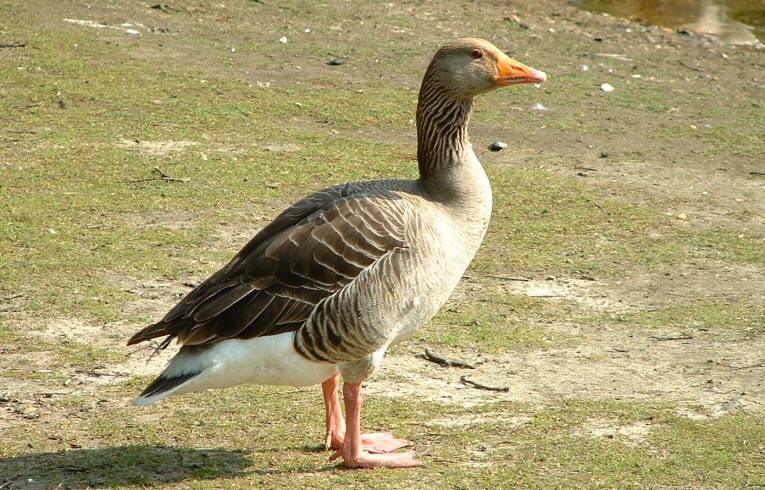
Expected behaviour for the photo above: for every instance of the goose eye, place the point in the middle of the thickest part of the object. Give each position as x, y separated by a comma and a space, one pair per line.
476, 53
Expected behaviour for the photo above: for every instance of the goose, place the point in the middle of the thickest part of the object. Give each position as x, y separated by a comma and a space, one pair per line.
336, 279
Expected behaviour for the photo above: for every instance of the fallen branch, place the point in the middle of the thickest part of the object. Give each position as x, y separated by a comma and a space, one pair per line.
614, 56
162, 176
431, 356
482, 386
510, 278
690, 67
148, 346
759, 174
682, 336
746, 366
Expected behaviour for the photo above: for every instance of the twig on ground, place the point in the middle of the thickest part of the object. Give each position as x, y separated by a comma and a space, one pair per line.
167, 177
150, 346
690, 67
614, 56
7, 483
746, 366
579, 167
759, 174
431, 356
28, 106
162, 176
681, 336
13, 45
510, 278
482, 386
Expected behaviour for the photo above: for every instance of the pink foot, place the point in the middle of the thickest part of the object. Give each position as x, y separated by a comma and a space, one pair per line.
375, 443
368, 460
358, 451
381, 442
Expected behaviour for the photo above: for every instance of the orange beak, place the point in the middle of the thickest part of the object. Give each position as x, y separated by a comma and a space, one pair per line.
510, 72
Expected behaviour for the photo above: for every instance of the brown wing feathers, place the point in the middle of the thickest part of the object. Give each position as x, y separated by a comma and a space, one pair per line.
310, 251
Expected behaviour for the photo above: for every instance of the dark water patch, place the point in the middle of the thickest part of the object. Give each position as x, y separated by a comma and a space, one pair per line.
739, 22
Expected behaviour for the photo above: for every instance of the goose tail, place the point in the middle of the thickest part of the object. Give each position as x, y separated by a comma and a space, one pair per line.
179, 376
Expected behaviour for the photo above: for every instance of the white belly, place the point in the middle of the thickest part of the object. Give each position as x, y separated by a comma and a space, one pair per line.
267, 360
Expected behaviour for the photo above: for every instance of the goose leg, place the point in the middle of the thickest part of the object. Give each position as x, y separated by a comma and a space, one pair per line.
353, 453
376, 442
335, 422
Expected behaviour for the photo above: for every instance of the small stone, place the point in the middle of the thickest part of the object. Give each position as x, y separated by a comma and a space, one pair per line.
283, 40
682, 216
337, 61
538, 107
607, 87
585, 68
603, 154
497, 146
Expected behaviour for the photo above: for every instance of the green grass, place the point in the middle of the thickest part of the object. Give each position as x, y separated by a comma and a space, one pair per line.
705, 315
276, 440
498, 322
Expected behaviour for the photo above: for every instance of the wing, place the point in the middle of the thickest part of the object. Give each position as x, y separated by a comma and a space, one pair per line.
310, 251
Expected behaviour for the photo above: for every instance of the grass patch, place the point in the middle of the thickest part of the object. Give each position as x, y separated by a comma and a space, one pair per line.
497, 322
270, 436
712, 315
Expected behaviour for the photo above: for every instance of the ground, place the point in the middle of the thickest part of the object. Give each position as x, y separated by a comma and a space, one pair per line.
619, 294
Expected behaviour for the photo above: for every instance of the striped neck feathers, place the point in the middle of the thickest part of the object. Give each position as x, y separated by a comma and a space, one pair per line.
442, 120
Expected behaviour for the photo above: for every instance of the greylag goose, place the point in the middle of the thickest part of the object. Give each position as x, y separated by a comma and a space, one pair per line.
343, 274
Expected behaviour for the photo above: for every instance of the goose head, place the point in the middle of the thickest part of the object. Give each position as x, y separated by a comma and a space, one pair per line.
469, 67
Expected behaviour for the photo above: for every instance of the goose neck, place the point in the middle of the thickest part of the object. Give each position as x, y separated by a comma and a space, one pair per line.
442, 138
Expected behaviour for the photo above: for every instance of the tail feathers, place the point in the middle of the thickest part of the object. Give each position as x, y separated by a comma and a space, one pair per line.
162, 387
155, 330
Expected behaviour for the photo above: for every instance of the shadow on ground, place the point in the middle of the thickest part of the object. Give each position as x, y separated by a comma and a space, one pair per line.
119, 466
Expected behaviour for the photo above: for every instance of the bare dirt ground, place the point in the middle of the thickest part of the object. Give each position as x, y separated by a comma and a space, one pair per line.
705, 374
